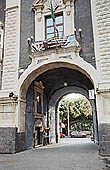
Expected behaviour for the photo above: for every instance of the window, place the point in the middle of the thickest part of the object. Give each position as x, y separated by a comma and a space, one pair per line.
50, 28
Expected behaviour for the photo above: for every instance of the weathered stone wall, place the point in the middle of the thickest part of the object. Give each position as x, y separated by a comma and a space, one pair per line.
83, 20
2, 11
104, 139
27, 30
29, 118
11, 141
2, 20
101, 25
102, 8
7, 112
7, 140
20, 142
95, 121
10, 69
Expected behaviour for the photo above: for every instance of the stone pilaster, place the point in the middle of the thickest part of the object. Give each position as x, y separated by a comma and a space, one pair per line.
101, 25
11, 50
8, 112
103, 30
1, 51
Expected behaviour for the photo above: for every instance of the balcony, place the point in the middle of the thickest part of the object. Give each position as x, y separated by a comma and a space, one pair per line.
55, 47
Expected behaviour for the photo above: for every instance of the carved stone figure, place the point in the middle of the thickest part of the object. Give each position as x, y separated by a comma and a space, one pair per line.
54, 3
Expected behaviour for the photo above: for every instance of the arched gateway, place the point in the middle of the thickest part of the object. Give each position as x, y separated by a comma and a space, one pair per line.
62, 41
80, 76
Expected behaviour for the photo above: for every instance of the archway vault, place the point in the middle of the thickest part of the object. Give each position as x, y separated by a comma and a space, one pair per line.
53, 109
53, 104
34, 71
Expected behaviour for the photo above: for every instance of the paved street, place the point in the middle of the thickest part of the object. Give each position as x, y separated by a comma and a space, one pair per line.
70, 154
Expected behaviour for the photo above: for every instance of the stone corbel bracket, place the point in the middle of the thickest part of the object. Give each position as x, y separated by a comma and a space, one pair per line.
68, 4
37, 5
66, 1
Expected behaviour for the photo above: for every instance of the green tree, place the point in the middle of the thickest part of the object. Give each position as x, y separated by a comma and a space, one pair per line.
80, 113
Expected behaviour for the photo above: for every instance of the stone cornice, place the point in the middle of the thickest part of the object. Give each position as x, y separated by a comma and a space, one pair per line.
4, 100
68, 1
37, 4
56, 51
12, 8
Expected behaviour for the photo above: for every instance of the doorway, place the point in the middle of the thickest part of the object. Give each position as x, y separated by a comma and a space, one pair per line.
76, 117
37, 136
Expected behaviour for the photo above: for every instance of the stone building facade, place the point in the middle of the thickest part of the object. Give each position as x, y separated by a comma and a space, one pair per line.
36, 60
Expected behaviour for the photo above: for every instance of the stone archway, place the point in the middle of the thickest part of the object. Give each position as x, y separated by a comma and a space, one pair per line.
56, 97
53, 105
34, 71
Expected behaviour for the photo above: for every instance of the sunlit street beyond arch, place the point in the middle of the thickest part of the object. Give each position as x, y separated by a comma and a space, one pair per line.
69, 154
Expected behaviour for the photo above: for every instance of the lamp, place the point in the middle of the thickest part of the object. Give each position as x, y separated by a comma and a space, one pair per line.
65, 84
13, 96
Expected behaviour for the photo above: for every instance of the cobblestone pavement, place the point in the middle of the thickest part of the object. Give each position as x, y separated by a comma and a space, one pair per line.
70, 154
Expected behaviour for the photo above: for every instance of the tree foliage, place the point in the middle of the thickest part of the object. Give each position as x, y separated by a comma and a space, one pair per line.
80, 112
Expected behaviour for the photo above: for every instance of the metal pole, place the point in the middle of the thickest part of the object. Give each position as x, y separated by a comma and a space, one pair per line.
68, 121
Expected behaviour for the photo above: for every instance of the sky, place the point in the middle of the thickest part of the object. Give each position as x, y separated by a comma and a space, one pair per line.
73, 96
